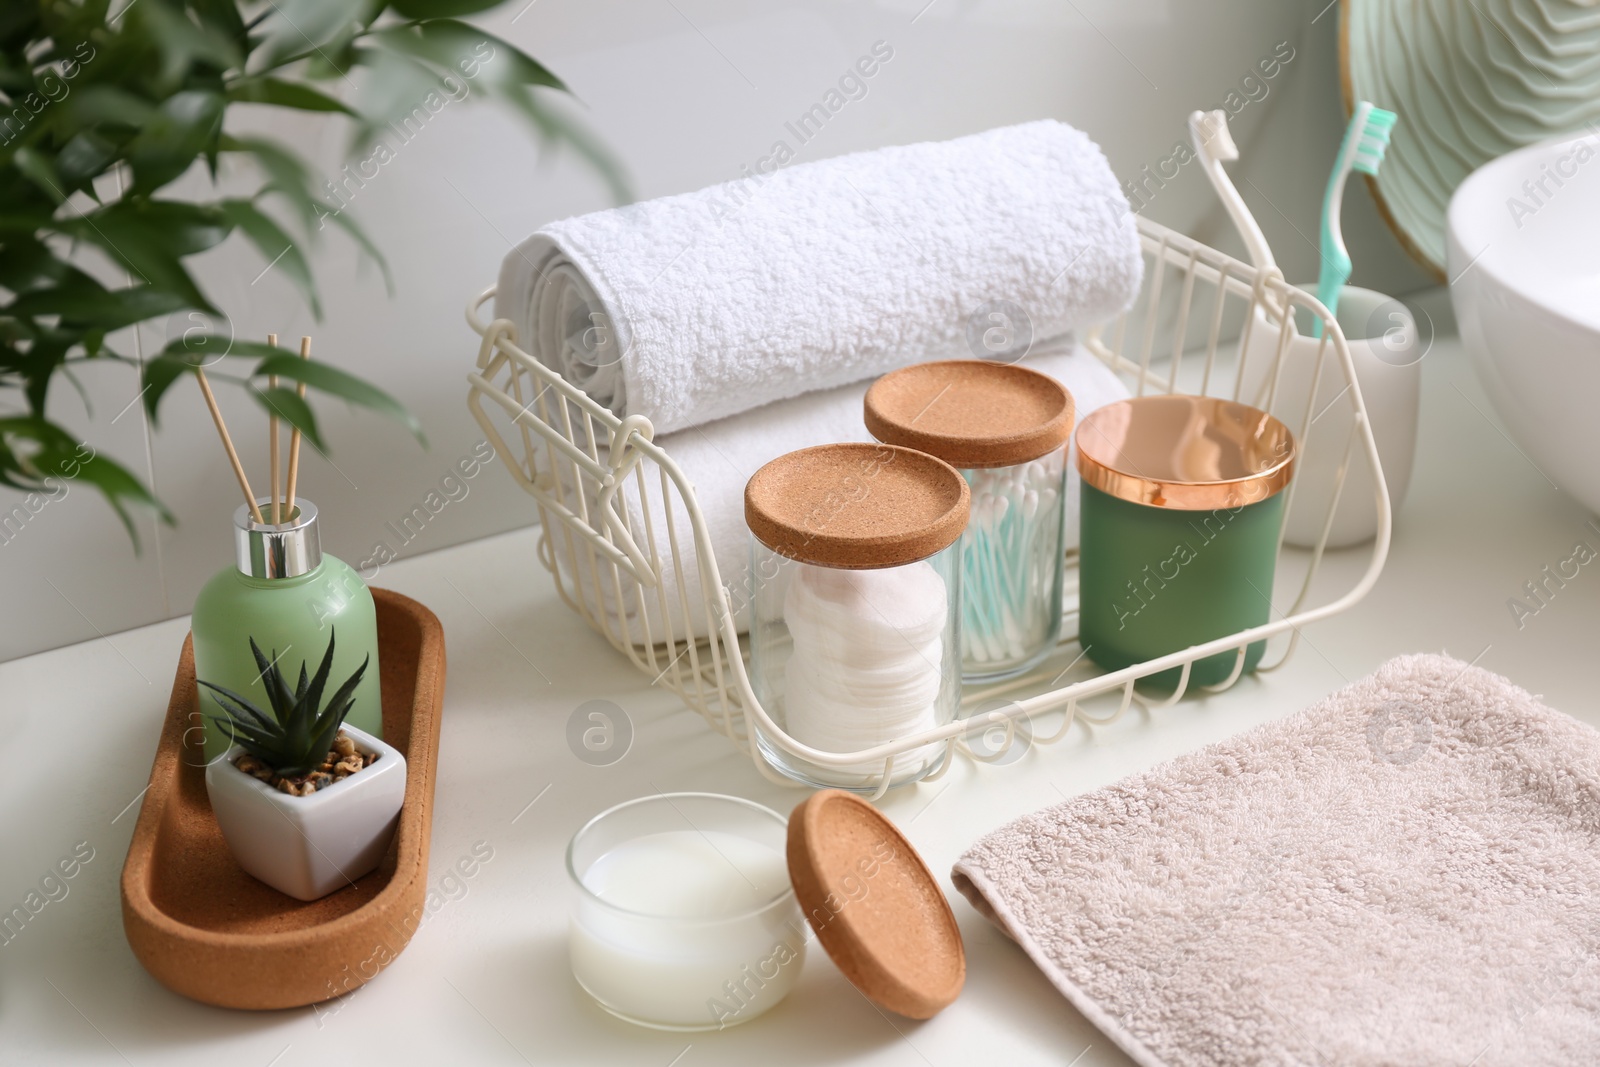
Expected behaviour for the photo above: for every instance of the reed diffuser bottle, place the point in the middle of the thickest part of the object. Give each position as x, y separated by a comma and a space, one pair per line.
292, 599
282, 593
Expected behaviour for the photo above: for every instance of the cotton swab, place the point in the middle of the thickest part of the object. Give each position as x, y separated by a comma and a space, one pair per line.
227, 444
1008, 563
294, 437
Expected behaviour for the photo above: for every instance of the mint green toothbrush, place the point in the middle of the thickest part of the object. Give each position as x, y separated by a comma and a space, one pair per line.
1365, 141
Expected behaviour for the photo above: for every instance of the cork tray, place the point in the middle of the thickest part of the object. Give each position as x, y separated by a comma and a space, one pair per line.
206, 929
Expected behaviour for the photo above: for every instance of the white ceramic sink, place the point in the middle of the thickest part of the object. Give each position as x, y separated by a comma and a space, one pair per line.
1524, 266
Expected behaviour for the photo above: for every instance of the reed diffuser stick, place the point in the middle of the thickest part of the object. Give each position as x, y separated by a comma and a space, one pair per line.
227, 444
294, 436
272, 439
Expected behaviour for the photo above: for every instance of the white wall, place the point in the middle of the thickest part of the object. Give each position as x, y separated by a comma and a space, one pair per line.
687, 92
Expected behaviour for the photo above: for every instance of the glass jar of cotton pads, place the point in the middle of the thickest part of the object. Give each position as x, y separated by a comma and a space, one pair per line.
1181, 512
1006, 429
855, 632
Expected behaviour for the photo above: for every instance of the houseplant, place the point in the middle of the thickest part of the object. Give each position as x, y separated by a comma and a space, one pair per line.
306, 803
101, 111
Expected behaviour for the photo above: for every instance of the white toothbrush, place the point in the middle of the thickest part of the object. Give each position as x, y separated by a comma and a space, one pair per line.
1214, 144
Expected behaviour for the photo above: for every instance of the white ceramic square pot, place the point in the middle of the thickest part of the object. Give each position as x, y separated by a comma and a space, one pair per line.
310, 846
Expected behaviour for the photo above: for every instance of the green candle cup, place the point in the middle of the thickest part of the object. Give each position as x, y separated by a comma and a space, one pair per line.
1181, 511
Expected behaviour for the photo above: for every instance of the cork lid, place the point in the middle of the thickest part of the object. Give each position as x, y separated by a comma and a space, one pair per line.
856, 506
1191, 453
874, 905
971, 413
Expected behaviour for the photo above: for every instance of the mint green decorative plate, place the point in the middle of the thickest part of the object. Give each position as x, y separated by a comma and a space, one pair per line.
1471, 80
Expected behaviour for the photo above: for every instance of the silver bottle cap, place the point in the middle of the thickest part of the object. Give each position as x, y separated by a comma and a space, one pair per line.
286, 550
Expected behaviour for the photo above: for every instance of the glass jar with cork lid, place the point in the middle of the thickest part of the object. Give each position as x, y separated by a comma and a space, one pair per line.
855, 634
1006, 429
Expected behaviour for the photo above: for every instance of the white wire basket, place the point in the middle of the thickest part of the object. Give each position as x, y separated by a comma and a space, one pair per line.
1203, 323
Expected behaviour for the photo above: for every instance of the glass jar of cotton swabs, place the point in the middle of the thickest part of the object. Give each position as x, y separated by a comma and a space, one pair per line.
855, 632
1006, 429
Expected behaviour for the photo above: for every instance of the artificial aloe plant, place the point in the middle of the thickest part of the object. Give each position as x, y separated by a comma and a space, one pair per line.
296, 737
102, 110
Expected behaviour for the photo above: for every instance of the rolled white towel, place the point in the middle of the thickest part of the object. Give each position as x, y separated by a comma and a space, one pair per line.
720, 458
686, 311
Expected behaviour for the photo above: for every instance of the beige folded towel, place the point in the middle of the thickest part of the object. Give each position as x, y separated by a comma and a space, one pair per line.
1406, 873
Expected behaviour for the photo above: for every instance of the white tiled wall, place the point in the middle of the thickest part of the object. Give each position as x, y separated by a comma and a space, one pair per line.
687, 92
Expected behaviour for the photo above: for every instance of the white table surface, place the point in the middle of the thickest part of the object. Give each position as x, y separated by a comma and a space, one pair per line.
485, 980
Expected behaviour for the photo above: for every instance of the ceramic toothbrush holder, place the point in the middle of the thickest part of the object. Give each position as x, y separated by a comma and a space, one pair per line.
1384, 346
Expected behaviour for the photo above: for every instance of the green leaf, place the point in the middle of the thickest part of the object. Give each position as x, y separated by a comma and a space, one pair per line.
211, 346
442, 53
38, 169
101, 104
94, 305
357, 234
238, 730
346, 692
335, 382
151, 238
277, 692
313, 695
245, 709
183, 45
557, 128
183, 127
26, 221
94, 344
301, 27
159, 374
495, 56
399, 97
280, 93
287, 405
221, 16
460, 50
34, 450
276, 246
117, 484
438, 9
83, 158
499, 67
286, 175
177, 226
181, 356
45, 356
334, 57
26, 261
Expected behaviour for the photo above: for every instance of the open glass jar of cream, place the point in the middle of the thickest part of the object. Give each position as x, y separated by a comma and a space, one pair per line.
855, 633
692, 911
1181, 512
1005, 428
683, 904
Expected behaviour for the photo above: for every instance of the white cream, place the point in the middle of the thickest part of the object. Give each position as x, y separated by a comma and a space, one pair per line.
691, 930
